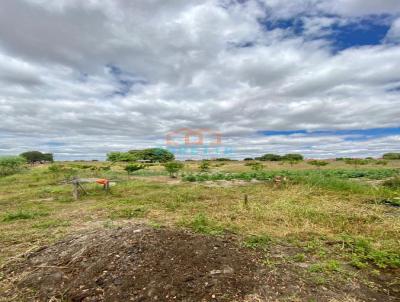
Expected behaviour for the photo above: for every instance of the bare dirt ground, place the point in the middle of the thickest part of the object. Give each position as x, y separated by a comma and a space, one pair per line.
139, 263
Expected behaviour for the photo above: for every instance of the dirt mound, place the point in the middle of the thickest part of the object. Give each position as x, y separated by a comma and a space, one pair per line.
138, 264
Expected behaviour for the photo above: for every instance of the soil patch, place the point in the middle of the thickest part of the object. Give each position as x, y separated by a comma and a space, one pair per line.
139, 263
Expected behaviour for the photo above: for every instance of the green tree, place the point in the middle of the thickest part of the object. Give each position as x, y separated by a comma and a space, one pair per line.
292, 157
173, 168
156, 155
270, 157
120, 157
36, 156
152, 155
11, 164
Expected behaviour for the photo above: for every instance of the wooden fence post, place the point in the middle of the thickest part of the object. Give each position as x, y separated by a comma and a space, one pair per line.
75, 192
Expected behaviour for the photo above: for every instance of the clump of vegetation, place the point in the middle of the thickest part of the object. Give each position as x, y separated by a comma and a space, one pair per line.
393, 183
270, 157
291, 157
11, 164
173, 168
133, 168
202, 224
55, 168
204, 166
326, 177
255, 166
260, 241
37, 157
391, 156
22, 215
318, 163
152, 155
356, 162
362, 253
128, 213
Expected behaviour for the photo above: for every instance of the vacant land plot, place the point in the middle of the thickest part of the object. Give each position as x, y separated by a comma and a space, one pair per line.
228, 234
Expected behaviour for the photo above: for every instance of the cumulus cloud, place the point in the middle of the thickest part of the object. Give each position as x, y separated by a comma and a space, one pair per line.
394, 33
84, 78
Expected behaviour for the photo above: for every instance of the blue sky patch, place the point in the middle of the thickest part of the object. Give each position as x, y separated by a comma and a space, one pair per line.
369, 31
125, 80
358, 34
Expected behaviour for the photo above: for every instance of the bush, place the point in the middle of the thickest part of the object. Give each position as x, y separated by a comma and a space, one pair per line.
11, 165
391, 156
173, 168
356, 161
256, 166
381, 162
204, 166
133, 167
318, 163
393, 183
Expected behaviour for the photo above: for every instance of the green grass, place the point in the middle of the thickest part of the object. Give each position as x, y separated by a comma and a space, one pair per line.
202, 224
363, 253
315, 207
128, 213
52, 223
257, 242
373, 174
22, 215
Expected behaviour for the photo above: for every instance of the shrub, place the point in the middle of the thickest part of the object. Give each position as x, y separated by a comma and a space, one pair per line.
256, 166
202, 224
173, 168
133, 167
381, 162
318, 163
54, 168
204, 166
248, 158
391, 156
393, 183
11, 164
356, 162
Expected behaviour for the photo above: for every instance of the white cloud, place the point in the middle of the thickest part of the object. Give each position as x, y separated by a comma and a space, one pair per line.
198, 64
394, 33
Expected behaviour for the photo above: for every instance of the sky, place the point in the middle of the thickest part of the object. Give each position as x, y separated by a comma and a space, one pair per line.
83, 78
